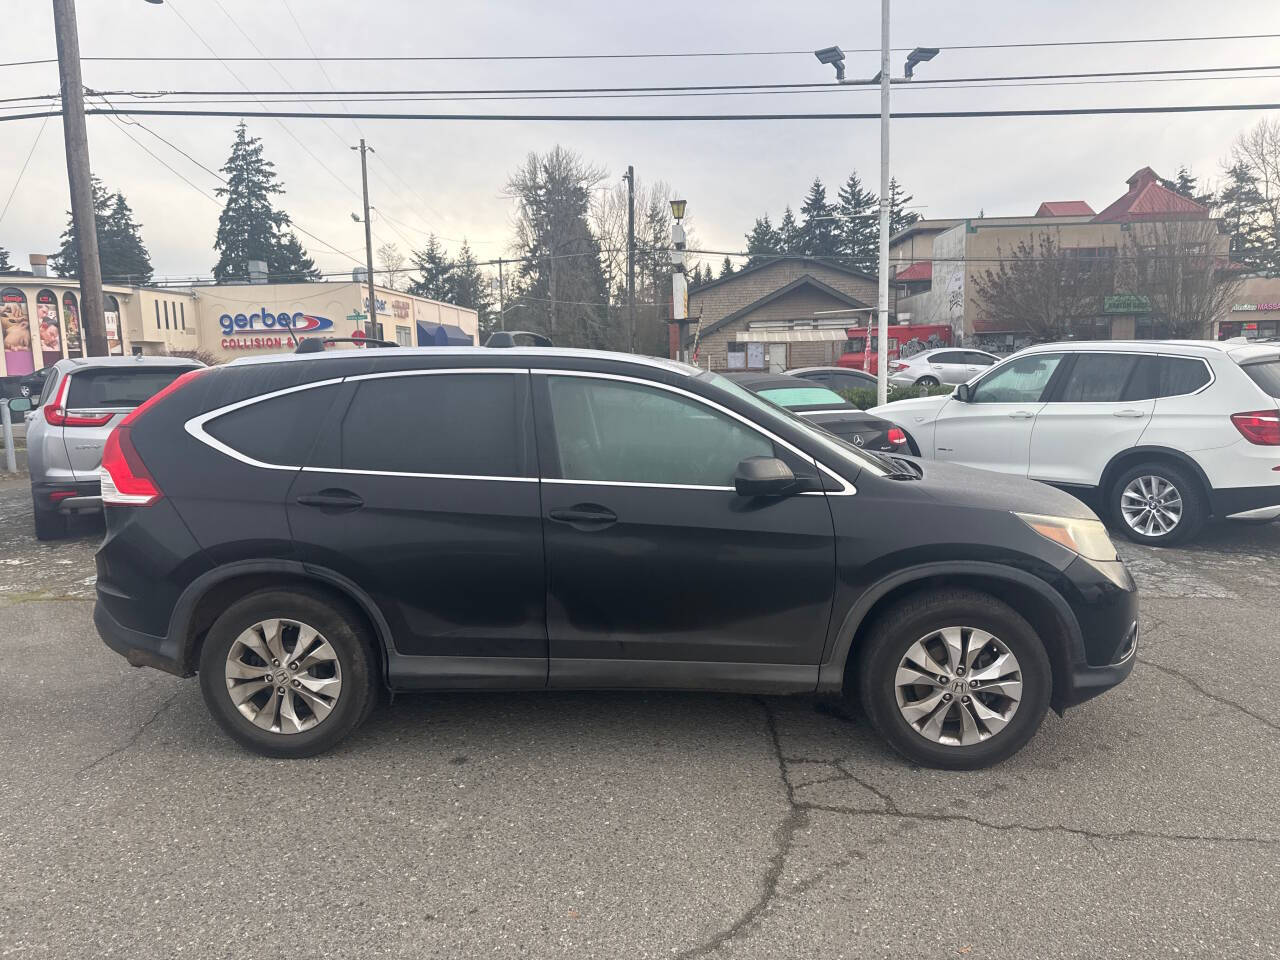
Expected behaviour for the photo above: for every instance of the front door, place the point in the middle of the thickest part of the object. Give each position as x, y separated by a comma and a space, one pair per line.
992, 431
423, 490
658, 573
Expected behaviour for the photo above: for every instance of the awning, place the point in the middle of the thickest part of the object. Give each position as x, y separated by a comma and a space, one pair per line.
443, 335
790, 336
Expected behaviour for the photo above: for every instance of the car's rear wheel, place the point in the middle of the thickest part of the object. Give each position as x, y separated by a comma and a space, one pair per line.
49, 525
954, 679
1158, 504
927, 382
287, 673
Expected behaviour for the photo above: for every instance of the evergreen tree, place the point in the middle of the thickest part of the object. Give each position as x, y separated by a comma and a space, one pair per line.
1241, 206
468, 287
899, 216
250, 227
858, 209
434, 267
726, 268
763, 239
121, 252
788, 232
1186, 185
5, 265
819, 232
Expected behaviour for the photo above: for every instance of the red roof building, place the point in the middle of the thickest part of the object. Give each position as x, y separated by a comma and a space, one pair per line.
1149, 199
1064, 208
923, 270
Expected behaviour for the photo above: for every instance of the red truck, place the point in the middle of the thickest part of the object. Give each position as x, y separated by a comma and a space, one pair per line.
905, 339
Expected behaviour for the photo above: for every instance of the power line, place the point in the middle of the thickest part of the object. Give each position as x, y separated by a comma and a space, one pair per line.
17, 182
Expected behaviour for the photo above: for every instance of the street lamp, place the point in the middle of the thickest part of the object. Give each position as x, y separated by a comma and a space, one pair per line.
677, 208
835, 57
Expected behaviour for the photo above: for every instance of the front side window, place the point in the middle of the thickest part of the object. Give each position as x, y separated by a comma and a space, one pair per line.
1019, 381
608, 430
1098, 378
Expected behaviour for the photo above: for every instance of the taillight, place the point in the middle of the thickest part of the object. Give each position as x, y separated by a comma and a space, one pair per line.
896, 436
55, 412
124, 478
895, 366
1259, 426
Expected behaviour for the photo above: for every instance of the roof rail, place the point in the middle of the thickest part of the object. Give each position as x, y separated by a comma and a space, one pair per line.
317, 344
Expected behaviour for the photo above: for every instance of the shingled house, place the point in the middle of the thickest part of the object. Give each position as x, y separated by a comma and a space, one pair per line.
763, 317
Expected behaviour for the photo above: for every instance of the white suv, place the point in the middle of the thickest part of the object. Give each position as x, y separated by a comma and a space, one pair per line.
1169, 432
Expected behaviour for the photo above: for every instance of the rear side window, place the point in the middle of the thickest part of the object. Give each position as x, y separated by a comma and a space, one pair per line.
1157, 377
463, 424
1098, 378
119, 386
280, 430
1266, 375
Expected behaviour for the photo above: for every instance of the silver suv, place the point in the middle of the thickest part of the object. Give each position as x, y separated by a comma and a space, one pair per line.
929, 368
82, 401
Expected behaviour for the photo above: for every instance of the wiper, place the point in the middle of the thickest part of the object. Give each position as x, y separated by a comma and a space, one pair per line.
901, 468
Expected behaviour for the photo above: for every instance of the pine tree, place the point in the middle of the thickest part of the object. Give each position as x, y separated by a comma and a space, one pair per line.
763, 239
121, 252
5, 265
819, 232
726, 268
788, 232
1241, 206
1186, 185
249, 227
468, 287
433, 266
899, 216
857, 209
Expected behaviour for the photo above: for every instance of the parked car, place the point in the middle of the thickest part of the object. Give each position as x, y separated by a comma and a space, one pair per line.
1167, 433
301, 529
79, 405
838, 379
929, 368
828, 409
32, 384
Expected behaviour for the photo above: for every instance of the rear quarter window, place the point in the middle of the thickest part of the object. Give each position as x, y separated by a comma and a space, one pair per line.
124, 387
280, 430
1266, 375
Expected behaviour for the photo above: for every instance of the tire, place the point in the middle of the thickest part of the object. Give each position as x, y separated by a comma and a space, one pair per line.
49, 525
927, 382
349, 658
1194, 508
919, 619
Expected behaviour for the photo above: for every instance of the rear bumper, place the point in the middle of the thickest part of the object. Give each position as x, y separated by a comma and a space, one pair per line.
1247, 503
140, 649
67, 496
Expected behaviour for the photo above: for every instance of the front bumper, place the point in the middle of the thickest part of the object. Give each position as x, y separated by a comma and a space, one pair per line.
1104, 599
140, 649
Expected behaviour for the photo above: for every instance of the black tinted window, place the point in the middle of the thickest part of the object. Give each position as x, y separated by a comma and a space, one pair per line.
1179, 375
978, 359
120, 386
471, 424
949, 356
280, 430
1266, 375
1098, 378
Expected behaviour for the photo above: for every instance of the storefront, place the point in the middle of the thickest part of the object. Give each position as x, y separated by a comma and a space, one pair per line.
40, 322
1256, 312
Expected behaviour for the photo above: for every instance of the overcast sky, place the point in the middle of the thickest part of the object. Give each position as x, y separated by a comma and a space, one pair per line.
448, 176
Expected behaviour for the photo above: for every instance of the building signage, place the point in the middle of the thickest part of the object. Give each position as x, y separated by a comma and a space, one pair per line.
380, 301
273, 329
1126, 303
401, 309
1256, 306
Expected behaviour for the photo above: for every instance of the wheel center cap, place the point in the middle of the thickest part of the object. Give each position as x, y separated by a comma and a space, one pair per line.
281, 677
959, 686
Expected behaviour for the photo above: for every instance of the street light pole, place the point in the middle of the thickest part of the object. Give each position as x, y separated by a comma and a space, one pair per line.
882, 303
76, 137
630, 177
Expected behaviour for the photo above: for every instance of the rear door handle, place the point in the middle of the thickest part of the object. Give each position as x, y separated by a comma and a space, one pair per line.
1128, 413
1021, 415
585, 516
336, 500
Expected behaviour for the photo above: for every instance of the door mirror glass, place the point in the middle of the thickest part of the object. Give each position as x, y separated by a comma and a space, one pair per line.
763, 477
19, 405
962, 393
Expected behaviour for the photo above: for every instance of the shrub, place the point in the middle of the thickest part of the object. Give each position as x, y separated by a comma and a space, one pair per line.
865, 397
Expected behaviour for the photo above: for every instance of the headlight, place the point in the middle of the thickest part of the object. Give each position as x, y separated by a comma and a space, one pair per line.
1085, 537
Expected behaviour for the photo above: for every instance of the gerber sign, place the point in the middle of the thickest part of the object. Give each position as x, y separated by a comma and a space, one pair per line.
267, 330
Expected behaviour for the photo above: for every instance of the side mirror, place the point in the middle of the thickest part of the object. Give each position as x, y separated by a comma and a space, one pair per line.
20, 405
763, 477
963, 393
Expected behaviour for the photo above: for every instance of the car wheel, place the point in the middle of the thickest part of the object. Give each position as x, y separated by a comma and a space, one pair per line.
287, 673
927, 382
1158, 504
24, 390
954, 679
49, 525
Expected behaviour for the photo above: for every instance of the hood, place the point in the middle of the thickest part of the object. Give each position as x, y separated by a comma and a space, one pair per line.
984, 489
915, 410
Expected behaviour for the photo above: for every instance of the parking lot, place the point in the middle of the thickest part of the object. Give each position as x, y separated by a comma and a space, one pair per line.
641, 825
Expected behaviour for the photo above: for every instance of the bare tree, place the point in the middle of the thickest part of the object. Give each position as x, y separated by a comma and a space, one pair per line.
392, 262
1181, 268
1258, 151
1043, 288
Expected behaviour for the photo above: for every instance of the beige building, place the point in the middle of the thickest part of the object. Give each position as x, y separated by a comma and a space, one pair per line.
1255, 312
40, 318
766, 317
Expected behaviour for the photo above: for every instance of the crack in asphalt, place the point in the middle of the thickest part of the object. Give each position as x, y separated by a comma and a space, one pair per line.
1209, 694
116, 751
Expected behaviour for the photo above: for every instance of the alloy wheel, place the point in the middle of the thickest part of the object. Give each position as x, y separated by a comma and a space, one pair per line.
958, 686
283, 676
1151, 505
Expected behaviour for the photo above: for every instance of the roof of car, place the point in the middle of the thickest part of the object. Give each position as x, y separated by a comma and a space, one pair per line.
81, 363
1239, 352
393, 354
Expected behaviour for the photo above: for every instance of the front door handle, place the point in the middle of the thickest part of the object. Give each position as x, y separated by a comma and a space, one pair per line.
1021, 415
1128, 413
585, 516
334, 500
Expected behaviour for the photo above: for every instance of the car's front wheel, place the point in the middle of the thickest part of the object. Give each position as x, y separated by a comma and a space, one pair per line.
954, 679
1158, 504
287, 673
927, 382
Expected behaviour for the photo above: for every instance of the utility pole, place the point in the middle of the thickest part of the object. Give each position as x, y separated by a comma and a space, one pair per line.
882, 305
371, 324
630, 177
78, 177
502, 310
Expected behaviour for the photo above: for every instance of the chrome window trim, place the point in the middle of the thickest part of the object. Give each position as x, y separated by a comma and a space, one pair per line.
629, 483
416, 476
847, 489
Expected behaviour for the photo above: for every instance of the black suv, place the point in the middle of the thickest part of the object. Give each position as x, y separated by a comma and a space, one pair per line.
302, 530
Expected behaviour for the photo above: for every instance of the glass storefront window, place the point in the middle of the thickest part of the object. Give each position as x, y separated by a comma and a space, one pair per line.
111, 314
71, 325
49, 327
15, 327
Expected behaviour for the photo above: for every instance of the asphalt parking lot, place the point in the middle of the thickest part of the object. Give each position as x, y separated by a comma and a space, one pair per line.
630, 825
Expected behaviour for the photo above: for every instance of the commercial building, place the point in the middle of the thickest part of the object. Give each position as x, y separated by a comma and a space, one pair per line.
40, 318
1256, 311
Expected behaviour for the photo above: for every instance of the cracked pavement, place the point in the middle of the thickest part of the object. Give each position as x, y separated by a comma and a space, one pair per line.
641, 825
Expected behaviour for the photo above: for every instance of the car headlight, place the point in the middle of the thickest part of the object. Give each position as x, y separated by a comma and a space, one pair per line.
1085, 537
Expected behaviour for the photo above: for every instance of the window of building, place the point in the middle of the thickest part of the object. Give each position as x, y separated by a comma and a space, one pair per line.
182, 311
157, 314
1018, 381
166, 314
404, 336
1098, 378
71, 322
473, 425
628, 433
746, 356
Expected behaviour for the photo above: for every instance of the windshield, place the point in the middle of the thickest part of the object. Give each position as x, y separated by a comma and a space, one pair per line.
861, 459
802, 396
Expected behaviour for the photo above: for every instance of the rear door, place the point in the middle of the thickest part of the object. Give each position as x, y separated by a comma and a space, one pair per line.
948, 366
1101, 406
424, 492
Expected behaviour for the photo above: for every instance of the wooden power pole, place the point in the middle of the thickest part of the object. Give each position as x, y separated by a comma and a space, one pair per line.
371, 325
76, 136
